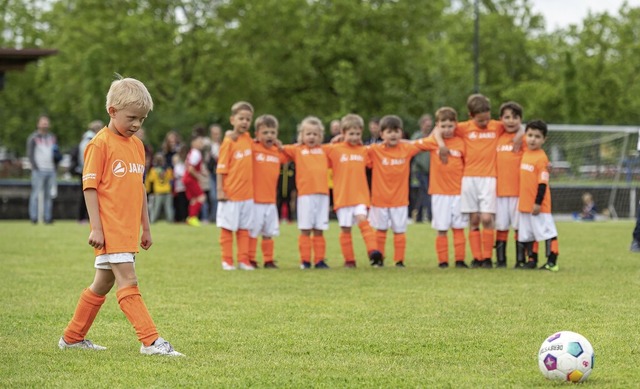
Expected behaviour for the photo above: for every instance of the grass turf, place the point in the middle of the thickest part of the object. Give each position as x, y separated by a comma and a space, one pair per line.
414, 327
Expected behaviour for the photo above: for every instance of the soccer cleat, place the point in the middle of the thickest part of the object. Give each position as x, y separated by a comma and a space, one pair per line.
635, 246
227, 266
322, 265
350, 264
461, 265
245, 266
305, 265
254, 264
519, 265
486, 264
443, 265
193, 221
375, 258
160, 347
400, 264
270, 265
530, 265
550, 266
84, 344
475, 263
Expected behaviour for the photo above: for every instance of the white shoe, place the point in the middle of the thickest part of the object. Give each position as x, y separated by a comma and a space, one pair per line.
160, 347
244, 266
85, 344
226, 266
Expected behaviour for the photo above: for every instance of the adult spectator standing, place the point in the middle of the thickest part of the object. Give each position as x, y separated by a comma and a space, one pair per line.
420, 207
43, 153
92, 130
215, 132
334, 129
374, 131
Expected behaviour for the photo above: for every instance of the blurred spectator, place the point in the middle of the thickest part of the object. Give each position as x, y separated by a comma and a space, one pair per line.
43, 154
589, 211
171, 145
92, 130
420, 200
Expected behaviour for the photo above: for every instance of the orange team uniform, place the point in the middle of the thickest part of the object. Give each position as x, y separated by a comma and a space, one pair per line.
114, 166
480, 147
533, 171
266, 170
508, 166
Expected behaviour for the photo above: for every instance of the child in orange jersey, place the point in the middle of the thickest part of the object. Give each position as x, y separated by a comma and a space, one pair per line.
313, 191
235, 188
191, 180
535, 221
266, 170
390, 166
444, 188
117, 207
508, 177
351, 197
478, 191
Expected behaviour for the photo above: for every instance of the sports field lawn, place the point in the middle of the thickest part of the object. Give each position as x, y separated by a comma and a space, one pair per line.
388, 328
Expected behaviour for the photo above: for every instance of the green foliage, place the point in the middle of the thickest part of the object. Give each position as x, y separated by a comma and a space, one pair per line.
401, 328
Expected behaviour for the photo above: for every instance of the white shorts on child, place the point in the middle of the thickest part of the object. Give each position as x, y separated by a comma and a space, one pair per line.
265, 220
446, 213
347, 215
478, 195
536, 228
235, 215
506, 213
104, 261
313, 212
383, 218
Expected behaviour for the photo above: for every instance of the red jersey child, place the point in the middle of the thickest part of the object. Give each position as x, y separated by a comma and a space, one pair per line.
191, 180
313, 191
351, 198
235, 188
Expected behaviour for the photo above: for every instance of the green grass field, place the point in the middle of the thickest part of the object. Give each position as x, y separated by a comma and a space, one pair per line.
414, 327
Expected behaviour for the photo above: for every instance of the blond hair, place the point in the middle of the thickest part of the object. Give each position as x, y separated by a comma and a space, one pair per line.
311, 121
351, 121
128, 92
241, 106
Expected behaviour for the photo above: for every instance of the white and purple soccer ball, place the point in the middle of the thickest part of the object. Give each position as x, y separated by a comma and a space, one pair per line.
566, 356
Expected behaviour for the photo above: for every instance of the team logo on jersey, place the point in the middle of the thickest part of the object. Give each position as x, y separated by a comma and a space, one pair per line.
455, 153
119, 168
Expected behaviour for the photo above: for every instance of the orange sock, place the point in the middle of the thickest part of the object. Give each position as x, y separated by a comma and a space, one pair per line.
459, 244
368, 235
475, 244
502, 236
319, 248
267, 250
253, 247
242, 240
381, 240
134, 309
226, 245
88, 306
442, 248
487, 243
346, 245
304, 246
399, 247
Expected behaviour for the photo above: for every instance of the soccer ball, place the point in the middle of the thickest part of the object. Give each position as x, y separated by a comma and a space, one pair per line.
566, 356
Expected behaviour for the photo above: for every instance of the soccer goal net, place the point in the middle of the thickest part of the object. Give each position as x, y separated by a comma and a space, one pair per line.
602, 161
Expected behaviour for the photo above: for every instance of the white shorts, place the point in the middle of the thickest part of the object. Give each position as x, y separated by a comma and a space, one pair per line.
235, 215
385, 218
104, 261
265, 221
478, 195
507, 213
313, 212
536, 228
446, 213
347, 215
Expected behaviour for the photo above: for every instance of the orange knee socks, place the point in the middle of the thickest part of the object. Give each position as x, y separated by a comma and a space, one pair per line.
458, 244
242, 240
267, 250
134, 309
346, 245
304, 246
476, 244
226, 245
253, 248
381, 240
442, 248
487, 243
319, 248
88, 306
399, 247
368, 235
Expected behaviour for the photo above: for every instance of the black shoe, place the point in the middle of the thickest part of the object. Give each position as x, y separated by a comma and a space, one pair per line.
475, 263
486, 264
270, 265
400, 264
443, 265
519, 265
530, 265
501, 264
461, 265
254, 264
375, 258
322, 265
305, 265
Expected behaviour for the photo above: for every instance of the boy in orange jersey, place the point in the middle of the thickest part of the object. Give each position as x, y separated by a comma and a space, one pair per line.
313, 191
112, 181
478, 191
235, 188
508, 183
191, 180
391, 165
535, 221
351, 197
266, 170
445, 187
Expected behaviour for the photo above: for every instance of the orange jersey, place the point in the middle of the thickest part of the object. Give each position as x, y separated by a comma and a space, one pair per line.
114, 167
508, 166
533, 171
391, 167
311, 168
445, 179
480, 147
234, 162
349, 164
266, 170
